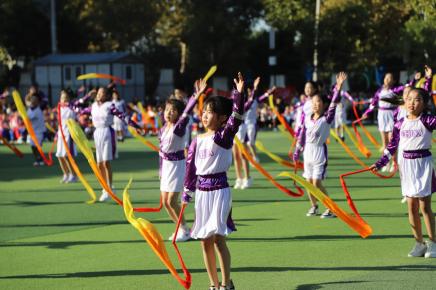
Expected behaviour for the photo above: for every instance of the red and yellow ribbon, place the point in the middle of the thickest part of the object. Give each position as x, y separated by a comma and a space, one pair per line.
364, 151
150, 233
355, 223
280, 117
81, 141
142, 139
277, 158
367, 133
28, 124
12, 147
265, 173
101, 76
73, 162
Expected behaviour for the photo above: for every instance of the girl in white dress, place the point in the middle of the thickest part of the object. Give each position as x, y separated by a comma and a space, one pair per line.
209, 158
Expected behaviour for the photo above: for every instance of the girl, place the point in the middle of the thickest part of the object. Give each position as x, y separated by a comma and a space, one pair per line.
385, 115
209, 157
119, 125
36, 117
102, 113
66, 113
414, 135
341, 114
314, 134
310, 89
172, 139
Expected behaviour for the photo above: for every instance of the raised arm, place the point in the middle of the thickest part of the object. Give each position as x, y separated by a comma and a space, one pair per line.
428, 79
340, 78
373, 103
347, 95
123, 117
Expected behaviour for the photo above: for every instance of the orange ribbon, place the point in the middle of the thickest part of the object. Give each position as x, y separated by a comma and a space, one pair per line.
12, 147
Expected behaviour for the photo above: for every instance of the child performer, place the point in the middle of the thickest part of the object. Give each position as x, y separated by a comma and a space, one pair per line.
120, 105
172, 139
61, 153
310, 89
209, 158
341, 114
414, 135
314, 134
102, 113
36, 117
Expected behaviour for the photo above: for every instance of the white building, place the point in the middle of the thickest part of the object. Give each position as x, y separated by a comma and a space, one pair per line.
56, 71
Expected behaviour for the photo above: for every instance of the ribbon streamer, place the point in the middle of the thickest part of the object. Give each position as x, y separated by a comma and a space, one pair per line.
360, 162
142, 139
275, 157
50, 128
101, 76
280, 117
364, 151
28, 124
367, 133
150, 233
81, 141
73, 162
12, 147
268, 176
357, 224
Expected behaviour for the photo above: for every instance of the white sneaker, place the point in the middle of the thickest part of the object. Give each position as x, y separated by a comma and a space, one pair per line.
431, 250
246, 183
171, 237
418, 250
104, 196
64, 179
238, 183
72, 179
404, 200
313, 211
183, 235
328, 214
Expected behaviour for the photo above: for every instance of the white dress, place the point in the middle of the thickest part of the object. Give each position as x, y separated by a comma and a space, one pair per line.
66, 113
36, 117
104, 134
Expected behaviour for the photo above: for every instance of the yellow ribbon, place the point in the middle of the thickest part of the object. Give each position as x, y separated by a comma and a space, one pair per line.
142, 139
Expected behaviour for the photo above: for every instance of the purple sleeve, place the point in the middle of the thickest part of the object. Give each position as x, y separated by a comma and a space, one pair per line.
429, 121
123, 117
301, 126
392, 146
225, 136
190, 182
427, 84
396, 112
332, 108
248, 104
347, 95
398, 89
77, 103
180, 127
374, 102
84, 111
263, 97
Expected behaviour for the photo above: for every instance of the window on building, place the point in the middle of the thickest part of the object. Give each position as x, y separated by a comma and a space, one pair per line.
68, 73
78, 71
129, 72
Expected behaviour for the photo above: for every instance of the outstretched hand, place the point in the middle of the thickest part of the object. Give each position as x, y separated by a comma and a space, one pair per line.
256, 83
239, 83
200, 86
340, 78
373, 168
428, 71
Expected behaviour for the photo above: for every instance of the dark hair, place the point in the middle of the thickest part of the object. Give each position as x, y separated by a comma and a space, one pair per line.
324, 98
314, 85
396, 100
177, 104
219, 105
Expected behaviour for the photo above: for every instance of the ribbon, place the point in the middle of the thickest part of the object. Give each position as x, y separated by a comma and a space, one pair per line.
12, 147
364, 151
81, 141
73, 162
268, 176
50, 128
22, 110
284, 132
275, 157
150, 233
101, 76
357, 224
358, 161
280, 117
208, 75
142, 139
367, 133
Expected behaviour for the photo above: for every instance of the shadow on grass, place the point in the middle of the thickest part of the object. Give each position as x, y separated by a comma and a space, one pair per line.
321, 285
120, 273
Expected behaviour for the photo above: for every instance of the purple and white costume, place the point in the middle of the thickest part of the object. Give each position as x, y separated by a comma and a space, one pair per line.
209, 158
172, 151
414, 137
66, 113
104, 135
341, 114
312, 139
250, 122
119, 125
36, 117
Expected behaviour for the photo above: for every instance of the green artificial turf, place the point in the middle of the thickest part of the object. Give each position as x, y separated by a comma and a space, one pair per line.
51, 239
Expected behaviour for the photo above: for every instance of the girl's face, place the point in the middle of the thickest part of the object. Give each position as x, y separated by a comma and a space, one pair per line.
171, 115
414, 103
115, 96
101, 95
64, 98
309, 90
211, 120
388, 80
406, 92
317, 105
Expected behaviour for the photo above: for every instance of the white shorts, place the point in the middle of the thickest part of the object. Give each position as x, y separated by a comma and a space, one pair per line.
242, 132
251, 134
212, 211
385, 119
39, 136
119, 124
173, 175
61, 151
315, 161
339, 117
417, 177
105, 144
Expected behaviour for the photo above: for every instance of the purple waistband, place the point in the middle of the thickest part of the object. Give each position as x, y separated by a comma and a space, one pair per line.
414, 154
212, 182
387, 108
173, 156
